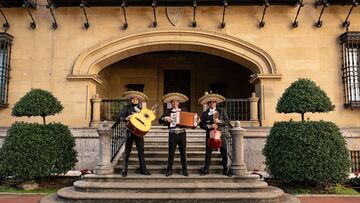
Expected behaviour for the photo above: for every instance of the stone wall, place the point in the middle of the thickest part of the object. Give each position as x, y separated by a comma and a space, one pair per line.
43, 58
87, 145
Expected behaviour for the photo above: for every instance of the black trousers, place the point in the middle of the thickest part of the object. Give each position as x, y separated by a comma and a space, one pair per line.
139, 141
177, 139
223, 150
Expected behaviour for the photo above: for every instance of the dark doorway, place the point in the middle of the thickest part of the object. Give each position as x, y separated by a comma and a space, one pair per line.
178, 81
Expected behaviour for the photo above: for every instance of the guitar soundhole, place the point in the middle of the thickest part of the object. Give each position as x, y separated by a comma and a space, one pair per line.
140, 121
146, 115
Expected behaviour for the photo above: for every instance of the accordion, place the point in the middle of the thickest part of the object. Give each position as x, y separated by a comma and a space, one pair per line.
184, 119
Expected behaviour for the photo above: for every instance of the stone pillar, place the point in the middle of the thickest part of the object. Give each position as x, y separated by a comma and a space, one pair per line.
238, 166
104, 166
205, 107
96, 102
254, 107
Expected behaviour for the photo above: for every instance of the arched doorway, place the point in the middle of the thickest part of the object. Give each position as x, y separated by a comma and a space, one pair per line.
191, 73
92, 61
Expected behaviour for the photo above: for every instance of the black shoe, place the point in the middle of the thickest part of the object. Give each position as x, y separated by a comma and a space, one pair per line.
168, 173
124, 174
204, 173
185, 173
146, 172
227, 172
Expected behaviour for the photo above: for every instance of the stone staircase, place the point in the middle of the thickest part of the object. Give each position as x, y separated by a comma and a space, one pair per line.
176, 188
156, 153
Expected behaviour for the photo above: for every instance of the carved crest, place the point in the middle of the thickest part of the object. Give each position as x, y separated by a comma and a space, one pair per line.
174, 14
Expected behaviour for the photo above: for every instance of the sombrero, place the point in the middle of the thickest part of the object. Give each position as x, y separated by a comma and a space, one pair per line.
167, 98
130, 94
211, 97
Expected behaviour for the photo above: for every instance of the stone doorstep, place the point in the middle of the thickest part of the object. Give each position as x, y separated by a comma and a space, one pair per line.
69, 193
175, 177
171, 186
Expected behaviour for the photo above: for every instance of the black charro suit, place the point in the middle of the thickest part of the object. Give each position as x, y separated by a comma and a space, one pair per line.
206, 121
177, 136
130, 138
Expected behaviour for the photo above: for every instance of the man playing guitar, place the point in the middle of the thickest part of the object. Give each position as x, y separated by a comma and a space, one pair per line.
135, 98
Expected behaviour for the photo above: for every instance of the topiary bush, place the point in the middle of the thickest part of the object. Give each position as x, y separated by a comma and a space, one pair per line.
304, 96
312, 152
31, 151
37, 102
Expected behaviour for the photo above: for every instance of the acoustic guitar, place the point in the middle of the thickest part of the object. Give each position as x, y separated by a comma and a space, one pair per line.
140, 123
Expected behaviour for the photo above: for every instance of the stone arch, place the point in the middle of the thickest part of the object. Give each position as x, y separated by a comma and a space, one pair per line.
93, 60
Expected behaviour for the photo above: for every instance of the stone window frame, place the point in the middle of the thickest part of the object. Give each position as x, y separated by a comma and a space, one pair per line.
5, 53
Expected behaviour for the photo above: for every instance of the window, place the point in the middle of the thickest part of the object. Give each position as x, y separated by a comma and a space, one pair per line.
135, 87
218, 88
5, 48
350, 46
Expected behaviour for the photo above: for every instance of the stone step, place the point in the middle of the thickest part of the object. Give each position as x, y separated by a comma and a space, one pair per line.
70, 195
164, 147
163, 161
155, 178
169, 186
164, 154
162, 140
161, 169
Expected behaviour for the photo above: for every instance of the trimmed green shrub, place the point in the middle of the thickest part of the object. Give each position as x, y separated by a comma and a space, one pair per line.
304, 96
312, 152
32, 151
37, 102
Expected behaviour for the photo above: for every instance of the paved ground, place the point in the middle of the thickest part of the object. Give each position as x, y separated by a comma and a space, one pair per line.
329, 199
7, 198
20, 198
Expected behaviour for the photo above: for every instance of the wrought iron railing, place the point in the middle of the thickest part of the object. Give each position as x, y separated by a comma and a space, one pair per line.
355, 161
118, 138
237, 109
110, 108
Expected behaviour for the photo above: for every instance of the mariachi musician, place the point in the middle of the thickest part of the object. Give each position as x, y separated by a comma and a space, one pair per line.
135, 98
210, 122
177, 135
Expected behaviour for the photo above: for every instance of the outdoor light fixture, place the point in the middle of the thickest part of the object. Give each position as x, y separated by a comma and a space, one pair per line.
123, 4
83, 5
319, 23
154, 10
50, 6
6, 25
346, 22
225, 4
262, 22
26, 5
296, 23
194, 15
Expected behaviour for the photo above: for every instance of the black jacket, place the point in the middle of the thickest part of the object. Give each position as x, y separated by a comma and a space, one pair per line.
207, 119
124, 113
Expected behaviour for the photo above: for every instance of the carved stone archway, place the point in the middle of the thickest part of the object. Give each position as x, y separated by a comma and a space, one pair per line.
93, 60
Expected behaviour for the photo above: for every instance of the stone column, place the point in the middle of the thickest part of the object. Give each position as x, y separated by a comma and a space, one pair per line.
205, 107
104, 166
254, 107
238, 166
96, 102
